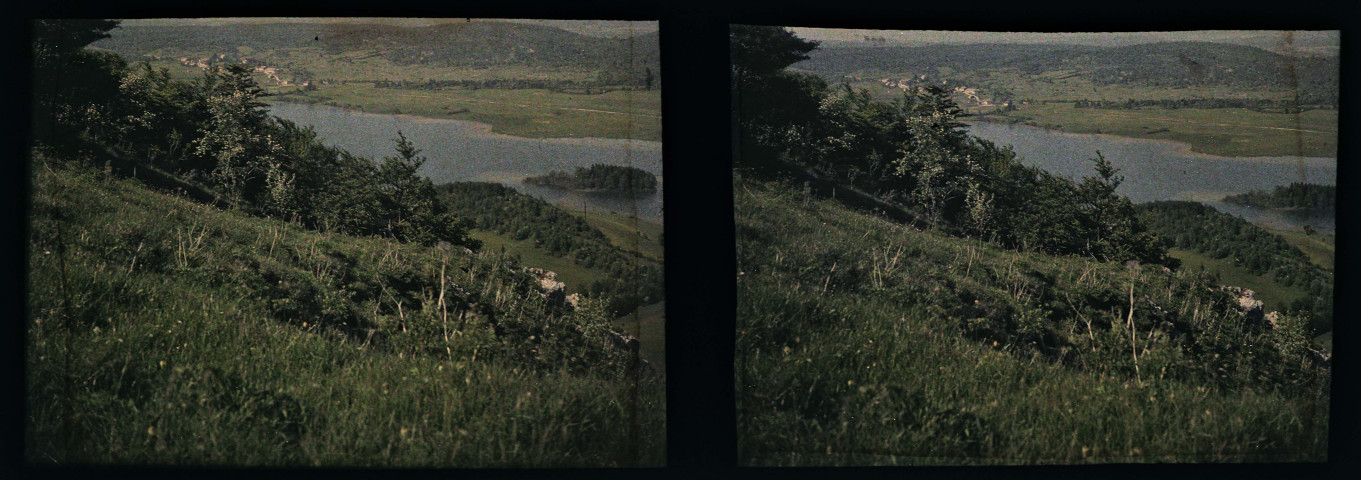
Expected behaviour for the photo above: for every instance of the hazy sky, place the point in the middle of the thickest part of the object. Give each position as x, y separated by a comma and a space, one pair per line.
595, 28
1309, 40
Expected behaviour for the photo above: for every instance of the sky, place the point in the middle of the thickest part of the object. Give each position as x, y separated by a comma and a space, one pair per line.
1312, 41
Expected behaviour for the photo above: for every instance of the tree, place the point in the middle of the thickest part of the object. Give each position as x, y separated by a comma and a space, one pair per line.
1112, 230
759, 50
234, 148
773, 108
411, 204
935, 164
72, 86
67, 36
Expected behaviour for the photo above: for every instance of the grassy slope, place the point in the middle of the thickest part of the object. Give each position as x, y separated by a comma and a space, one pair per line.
1321, 249
850, 351
1273, 295
146, 346
575, 276
627, 232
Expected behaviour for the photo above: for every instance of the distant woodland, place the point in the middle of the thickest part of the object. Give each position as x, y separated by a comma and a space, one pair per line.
1296, 195
611, 178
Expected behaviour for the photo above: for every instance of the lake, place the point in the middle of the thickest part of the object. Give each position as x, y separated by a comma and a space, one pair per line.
459, 151
1161, 170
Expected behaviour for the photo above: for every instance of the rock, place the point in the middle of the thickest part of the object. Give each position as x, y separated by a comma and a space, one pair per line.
553, 290
1252, 307
1272, 317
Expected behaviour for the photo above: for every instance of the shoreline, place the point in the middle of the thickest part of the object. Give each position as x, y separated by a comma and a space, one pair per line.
1178, 147
479, 128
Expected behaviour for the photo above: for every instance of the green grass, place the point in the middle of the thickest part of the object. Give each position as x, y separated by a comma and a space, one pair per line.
164, 332
1273, 295
1320, 248
864, 342
521, 112
575, 276
627, 232
1232, 132
647, 323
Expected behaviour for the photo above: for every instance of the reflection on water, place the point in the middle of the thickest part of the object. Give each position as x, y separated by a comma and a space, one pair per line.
468, 151
1157, 170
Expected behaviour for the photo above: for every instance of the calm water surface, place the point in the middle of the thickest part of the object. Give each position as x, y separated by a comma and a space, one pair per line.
468, 151
1158, 170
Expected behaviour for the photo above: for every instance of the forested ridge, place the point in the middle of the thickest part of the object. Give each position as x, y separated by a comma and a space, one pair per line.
1296, 195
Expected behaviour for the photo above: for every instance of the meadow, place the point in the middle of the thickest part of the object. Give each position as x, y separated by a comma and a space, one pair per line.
865, 342
166, 332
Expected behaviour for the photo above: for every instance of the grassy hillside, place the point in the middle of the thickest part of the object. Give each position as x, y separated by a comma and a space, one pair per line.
576, 277
627, 232
1321, 248
1246, 255
1274, 295
861, 341
165, 332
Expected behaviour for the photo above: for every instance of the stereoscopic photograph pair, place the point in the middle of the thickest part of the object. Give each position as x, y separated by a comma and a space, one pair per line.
440, 243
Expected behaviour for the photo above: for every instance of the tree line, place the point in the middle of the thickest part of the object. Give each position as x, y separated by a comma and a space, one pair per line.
1310, 196
215, 131
634, 280
600, 176
914, 151
1200, 228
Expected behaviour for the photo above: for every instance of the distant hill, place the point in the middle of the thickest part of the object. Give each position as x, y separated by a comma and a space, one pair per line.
478, 44
1170, 64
